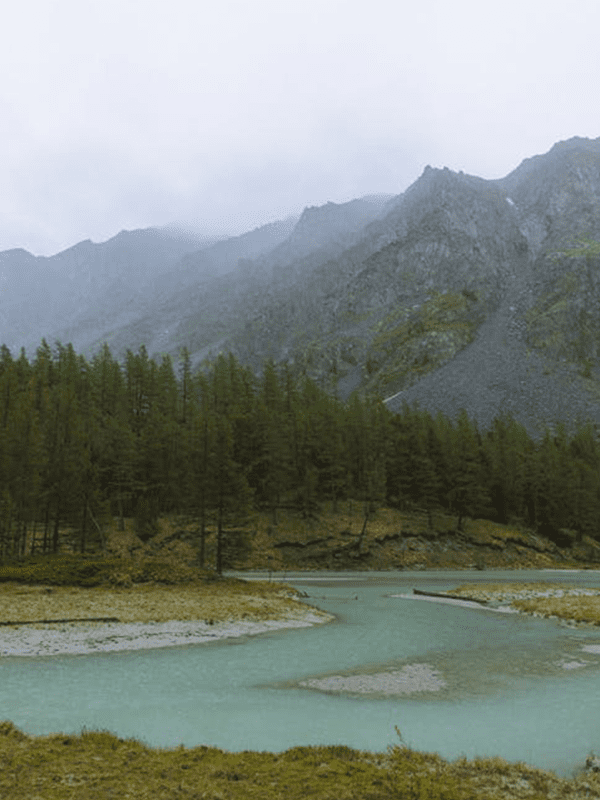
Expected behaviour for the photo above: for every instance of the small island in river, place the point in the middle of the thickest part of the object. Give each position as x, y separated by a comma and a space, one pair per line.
159, 599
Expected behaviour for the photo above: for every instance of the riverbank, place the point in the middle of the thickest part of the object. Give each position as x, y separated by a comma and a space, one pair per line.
99, 764
576, 605
394, 539
145, 616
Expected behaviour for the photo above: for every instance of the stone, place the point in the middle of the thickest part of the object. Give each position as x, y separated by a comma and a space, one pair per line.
592, 763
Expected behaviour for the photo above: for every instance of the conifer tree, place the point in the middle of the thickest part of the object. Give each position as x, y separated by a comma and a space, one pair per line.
231, 496
468, 494
368, 447
506, 450
28, 461
185, 383
272, 467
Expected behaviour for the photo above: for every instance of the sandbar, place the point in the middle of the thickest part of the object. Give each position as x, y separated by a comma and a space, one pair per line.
85, 638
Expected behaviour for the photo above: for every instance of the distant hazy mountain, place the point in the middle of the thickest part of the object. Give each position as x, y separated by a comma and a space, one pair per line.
43, 294
206, 309
455, 294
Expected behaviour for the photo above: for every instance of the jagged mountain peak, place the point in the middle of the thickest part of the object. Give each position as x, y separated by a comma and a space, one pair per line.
569, 155
449, 294
557, 195
319, 224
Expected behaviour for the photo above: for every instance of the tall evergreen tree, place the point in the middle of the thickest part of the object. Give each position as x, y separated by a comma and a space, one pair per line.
468, 493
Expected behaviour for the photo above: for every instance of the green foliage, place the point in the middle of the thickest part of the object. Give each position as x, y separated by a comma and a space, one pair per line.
409, 342
584, 247
82, 441
419, 776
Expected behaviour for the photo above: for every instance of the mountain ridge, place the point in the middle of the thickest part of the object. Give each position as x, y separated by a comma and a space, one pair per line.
459, 277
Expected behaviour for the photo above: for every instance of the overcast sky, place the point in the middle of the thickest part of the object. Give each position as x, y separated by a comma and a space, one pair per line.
231, 113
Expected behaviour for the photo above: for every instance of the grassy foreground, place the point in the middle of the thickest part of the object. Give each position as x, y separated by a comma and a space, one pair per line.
99, 765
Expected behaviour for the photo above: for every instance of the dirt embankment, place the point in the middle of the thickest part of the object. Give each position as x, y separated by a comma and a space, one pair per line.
391, 539
397, 540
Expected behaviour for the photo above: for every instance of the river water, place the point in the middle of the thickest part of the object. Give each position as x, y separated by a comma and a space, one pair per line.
486, 683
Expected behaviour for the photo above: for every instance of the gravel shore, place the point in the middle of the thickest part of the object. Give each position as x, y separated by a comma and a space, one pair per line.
409, 679
572, 605
146, 616
81, 638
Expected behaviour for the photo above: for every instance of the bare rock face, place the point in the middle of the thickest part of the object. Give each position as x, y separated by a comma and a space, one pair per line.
460, 293
459, 297
535, 354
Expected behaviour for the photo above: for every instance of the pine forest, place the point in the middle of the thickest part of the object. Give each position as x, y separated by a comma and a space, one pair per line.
82, 442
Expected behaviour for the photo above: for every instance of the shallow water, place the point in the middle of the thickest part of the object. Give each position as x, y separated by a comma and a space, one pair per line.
509, 685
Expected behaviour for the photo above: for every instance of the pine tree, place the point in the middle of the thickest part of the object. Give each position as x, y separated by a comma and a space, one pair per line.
271, 469
584, 452
506, 446
231, 496
140, 374
185, 383
368, 448
468, 493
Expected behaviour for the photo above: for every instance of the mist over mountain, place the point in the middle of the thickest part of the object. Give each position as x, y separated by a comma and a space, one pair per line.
41, 294
455, 294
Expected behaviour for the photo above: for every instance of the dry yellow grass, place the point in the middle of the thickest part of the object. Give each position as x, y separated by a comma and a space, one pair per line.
500, 590
578, 609
99, 765
531, 598
219, 601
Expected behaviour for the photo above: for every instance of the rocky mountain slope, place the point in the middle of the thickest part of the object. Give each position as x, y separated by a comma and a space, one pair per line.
460, 298
536, 354
455, 294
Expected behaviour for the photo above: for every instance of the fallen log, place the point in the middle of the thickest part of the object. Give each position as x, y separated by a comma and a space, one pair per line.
450, 596
303, 544
50, 621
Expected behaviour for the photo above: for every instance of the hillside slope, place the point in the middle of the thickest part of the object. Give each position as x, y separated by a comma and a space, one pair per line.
459, 293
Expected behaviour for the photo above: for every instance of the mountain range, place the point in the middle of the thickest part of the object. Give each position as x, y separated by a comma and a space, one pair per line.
461, 292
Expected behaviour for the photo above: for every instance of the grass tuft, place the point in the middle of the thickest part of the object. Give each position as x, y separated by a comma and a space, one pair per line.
97, 764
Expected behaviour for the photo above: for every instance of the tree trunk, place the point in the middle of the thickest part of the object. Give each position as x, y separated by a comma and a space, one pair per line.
23, 540
202, 552
55, 532
102, 538
121, 517
219, 564
46, 528
364, 529
83, 527
33, 535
